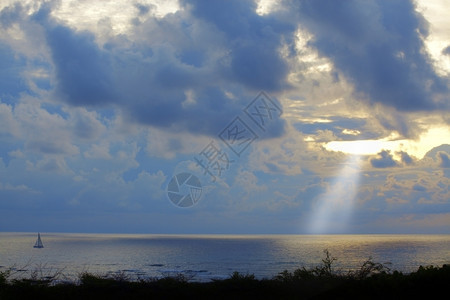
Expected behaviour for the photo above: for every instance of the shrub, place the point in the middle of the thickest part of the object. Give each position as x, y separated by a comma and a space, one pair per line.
4, 276
324, 270
370, 268
236, 276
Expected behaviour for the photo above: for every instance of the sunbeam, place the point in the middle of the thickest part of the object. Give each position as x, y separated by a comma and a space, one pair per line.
332, 212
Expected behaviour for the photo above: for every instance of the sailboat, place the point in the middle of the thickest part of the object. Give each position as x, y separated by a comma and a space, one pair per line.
38, 243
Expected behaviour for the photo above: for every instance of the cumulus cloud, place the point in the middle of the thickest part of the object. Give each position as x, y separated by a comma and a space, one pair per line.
187, 71
53, 165
98, 151
444, 159
384, 160
83, 71
405, 158
43, 132
195, 69
438, 156
254, 41
413, 185
86, 124
378, 46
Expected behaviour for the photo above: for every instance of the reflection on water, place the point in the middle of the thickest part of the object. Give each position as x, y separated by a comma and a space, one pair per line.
214, 256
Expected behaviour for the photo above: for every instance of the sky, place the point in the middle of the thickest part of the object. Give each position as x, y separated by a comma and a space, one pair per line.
243, 117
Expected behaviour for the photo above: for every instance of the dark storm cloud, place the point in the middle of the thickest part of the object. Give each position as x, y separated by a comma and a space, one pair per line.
83, 70
253, 40
181, 73
166, 110
378, 46
196, 69
384, 160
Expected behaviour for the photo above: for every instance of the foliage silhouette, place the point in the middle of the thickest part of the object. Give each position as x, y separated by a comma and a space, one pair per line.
371, 281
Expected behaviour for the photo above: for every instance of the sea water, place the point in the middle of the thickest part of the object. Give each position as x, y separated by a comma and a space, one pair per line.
205, 257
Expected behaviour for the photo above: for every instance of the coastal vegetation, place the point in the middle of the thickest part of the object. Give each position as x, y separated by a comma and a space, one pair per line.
371, 280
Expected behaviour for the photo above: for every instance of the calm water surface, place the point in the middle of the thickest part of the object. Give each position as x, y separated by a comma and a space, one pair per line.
213, 256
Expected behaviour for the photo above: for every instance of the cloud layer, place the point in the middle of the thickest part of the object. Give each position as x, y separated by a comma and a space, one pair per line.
99, 108
378, 45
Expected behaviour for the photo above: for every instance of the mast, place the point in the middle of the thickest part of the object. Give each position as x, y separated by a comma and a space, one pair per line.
38, 243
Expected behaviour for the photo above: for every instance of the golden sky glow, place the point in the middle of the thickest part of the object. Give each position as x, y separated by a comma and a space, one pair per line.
427, 141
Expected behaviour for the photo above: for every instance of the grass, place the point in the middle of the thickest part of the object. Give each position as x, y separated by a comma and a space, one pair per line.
371, 281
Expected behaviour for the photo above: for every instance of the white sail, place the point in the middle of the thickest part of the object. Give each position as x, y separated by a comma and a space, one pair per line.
38, 243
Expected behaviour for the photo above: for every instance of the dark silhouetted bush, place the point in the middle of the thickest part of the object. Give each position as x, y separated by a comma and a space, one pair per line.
371, 281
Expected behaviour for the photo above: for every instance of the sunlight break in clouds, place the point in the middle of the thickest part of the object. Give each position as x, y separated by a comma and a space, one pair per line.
427, 141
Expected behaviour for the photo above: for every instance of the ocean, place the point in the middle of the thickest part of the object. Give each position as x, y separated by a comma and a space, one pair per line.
206, 257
